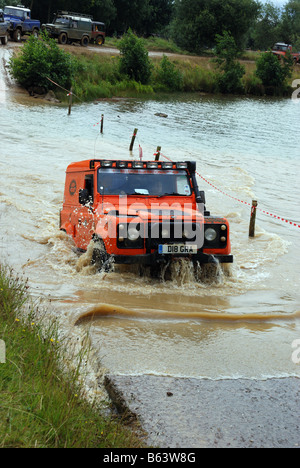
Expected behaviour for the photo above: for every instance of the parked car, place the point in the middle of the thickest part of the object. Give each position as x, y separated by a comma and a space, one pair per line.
280, 49
20, 22
70, 27
3, 29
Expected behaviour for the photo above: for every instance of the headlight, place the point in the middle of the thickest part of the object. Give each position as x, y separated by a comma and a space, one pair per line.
133, 234
210, 234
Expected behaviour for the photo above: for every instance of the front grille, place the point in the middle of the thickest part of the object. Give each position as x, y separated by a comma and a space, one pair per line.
170, 232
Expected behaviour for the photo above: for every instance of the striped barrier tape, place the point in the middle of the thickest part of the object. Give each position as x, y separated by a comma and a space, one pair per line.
287, 221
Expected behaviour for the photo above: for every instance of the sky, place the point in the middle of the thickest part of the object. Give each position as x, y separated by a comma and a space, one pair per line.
276, 2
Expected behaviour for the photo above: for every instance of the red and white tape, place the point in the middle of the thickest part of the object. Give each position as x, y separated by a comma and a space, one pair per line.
287, 221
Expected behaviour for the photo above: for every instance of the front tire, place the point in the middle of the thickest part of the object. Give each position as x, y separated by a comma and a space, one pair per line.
100, 257
84, 41
17, 35
4, 40
63, 38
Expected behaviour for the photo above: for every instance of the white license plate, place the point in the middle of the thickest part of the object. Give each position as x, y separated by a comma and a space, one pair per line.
177, 249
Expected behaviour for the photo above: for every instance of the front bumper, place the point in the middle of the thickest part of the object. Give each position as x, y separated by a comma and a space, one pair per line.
155, 258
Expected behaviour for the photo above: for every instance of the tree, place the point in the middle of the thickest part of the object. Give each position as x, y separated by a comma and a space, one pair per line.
230, 69
290, 24
168, 75
39, 60
266, 30
134, 60
131, 14
197, 22
271, 72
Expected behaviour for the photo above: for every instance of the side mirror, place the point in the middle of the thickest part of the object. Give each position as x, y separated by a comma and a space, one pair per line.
201, 197
84, 196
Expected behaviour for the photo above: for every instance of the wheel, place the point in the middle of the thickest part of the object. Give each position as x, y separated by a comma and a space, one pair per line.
100, 257
35, 33
63, 38
17, 35
84, 41
99, 40
4, 40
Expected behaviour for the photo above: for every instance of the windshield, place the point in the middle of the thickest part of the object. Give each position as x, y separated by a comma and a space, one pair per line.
61, 21
15, 12
153, 183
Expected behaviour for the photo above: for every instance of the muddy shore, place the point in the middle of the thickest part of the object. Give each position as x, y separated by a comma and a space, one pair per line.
194, 413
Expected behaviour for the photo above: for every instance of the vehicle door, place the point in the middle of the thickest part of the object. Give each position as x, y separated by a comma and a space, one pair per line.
83, 217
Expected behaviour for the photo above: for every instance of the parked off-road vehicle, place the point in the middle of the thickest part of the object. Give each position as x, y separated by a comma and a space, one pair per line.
20, 22
141, 212
98, 33
280, 49
3, 29
70, 27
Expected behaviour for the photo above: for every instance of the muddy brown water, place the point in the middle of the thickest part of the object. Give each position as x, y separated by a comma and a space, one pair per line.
234, 324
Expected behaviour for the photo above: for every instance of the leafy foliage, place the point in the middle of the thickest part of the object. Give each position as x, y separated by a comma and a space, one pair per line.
41, 60
270, 70
134, 60
169, 76
230, 69
197, 22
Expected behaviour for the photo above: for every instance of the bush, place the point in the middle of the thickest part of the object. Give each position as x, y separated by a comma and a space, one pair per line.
39, 60
168, 75
271, 72
231, 71
134, 60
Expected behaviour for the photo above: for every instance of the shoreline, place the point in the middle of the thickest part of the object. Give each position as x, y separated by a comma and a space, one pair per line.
199, 77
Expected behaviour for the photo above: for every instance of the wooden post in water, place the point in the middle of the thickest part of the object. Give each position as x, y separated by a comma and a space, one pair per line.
101, 126
132, 139
157, 154
70, 101
252, 219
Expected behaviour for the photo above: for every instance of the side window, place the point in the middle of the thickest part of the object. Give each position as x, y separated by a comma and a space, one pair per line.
89, 186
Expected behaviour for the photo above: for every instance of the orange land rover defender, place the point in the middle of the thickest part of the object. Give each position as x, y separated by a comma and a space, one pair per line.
145, 212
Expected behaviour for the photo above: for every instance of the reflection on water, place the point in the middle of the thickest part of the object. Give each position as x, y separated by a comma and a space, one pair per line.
238, 321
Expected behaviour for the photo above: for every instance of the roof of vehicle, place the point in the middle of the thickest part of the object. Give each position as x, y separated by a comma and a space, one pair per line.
17, 8
91, 164
72, 15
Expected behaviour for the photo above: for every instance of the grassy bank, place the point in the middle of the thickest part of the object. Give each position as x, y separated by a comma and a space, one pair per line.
95, 74
42, 404
98, 76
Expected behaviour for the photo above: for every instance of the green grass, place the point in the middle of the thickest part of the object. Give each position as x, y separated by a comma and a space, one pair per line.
42, 405
151, 43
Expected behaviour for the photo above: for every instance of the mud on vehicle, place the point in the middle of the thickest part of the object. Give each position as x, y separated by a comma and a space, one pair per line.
141, 212
70, 27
